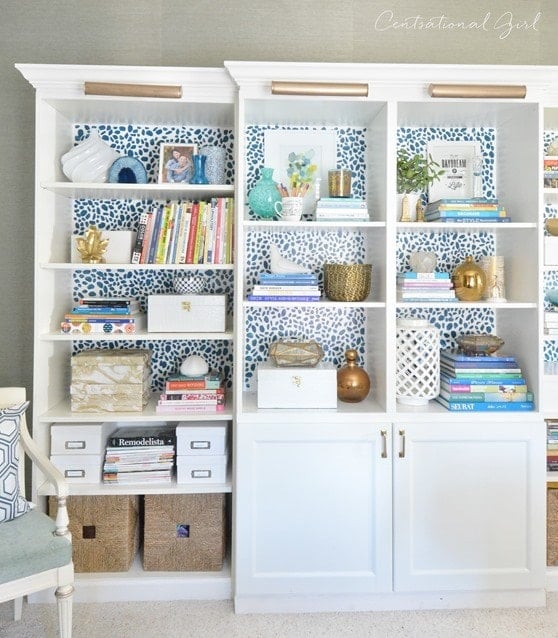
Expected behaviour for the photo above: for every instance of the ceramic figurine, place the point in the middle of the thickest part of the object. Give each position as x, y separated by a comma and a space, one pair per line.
281, 265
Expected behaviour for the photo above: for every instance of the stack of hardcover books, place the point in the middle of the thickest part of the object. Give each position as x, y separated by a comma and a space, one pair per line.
184, 394
552, 445
295, 287
476, 209
341, 209
140, 455
425, 286
482, 383
112, 315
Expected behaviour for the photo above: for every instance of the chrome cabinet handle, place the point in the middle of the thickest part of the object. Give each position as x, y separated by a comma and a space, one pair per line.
383, 434
402, 450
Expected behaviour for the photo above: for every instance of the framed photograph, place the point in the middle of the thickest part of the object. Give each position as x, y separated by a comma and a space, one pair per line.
458, 160
175, 163
305, 156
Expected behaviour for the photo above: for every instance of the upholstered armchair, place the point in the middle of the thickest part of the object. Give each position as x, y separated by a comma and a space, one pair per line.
35, 551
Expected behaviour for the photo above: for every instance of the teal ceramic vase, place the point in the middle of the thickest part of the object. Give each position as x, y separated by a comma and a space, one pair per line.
264, 195
199, 170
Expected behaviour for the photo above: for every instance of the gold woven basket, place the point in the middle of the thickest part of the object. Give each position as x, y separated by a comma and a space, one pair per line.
347, 282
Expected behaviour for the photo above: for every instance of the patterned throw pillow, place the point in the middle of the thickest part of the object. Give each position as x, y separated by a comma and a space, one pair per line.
12, 504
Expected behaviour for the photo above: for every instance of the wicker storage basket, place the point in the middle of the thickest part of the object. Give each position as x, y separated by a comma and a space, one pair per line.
104, 531
552, 526
184, 532
347, 282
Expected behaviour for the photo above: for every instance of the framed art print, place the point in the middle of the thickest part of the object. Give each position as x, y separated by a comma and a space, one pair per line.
301, 156
175, 163
457, 160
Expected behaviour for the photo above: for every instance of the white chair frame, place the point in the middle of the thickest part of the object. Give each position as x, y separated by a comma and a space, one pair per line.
61, 578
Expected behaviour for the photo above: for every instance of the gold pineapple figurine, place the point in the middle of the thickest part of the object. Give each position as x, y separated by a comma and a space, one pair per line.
92, 246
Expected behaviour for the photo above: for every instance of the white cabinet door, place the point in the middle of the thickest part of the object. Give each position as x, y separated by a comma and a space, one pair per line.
469, 506
313, 508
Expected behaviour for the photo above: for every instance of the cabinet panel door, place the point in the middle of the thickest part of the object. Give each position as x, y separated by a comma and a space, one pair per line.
469, 506
313, 509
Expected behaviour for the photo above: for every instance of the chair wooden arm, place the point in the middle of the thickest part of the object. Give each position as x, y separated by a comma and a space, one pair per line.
52, 474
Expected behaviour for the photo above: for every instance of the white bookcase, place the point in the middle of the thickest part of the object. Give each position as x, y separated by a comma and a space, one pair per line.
205, 114
373, 505
380, 505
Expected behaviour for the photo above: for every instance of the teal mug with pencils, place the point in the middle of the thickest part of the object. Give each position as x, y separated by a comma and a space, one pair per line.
289, 209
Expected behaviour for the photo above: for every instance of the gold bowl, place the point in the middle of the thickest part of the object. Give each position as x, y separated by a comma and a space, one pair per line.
347, 282
552, 226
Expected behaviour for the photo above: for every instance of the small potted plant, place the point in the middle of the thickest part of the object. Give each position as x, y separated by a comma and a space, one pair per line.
415, 173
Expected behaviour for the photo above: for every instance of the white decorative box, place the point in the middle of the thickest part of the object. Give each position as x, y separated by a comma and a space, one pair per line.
551, 251
186, 313
282, 387
200, 438
71, 438
119, 249
208, 468
79, 468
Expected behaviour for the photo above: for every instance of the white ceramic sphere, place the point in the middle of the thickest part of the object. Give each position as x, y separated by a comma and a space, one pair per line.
194, 366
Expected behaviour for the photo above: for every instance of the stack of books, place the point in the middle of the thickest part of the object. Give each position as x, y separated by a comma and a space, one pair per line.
191, 232
295, 287
425, 286
140, 455
552, 445
482, 383
476, 209
184, 394
551, 322
341, 209
112, 315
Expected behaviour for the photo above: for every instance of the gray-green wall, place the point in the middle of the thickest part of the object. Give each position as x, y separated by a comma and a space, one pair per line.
204, 33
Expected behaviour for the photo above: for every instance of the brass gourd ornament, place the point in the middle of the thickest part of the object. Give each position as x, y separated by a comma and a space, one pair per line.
353, 382
469, 280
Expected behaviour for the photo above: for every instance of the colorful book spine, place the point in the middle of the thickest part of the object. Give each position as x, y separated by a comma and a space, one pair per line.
516, 380
341, 202
147, 238
183, 409
486, 406
456, 355
158, 218
283, 298
192, 234
486, 396
140, 236
463, 201
471, 212
424, 275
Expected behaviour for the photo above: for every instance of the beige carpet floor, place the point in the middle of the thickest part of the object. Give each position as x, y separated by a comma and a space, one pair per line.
215, 619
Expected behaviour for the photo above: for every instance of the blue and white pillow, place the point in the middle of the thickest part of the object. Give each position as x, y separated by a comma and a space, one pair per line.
12, 504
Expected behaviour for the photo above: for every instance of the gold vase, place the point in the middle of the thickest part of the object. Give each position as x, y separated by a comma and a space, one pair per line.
469, 280
353, 382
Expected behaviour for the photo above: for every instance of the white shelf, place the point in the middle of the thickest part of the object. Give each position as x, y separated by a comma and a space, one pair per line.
313, 304
181, 267
109, 489
502, 305
138, 584
142, 335
310, 225
79, 190
464, 226
61, 413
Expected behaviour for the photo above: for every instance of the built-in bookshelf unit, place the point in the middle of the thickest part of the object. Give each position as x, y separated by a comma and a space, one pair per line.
369, 505
134, 127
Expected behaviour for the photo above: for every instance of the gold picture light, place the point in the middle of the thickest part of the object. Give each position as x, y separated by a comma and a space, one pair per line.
319, 88
132, 90
477, 90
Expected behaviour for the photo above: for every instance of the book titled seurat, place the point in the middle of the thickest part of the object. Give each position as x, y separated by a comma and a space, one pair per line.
154, 435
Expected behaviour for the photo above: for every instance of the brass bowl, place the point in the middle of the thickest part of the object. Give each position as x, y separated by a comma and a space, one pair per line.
347, 282
552, 226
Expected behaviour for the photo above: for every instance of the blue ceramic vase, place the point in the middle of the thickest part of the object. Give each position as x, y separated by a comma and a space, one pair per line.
264, 195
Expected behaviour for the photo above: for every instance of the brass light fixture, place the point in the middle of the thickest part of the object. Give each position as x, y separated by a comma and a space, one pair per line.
477, 90
319, 88
132, 90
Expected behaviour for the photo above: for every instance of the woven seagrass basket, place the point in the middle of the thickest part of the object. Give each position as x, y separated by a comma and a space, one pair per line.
552, 526
347, 282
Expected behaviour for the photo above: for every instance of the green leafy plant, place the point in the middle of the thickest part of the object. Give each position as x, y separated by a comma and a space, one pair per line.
415, 172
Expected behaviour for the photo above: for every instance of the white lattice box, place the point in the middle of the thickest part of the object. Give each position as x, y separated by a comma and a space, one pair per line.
551, 251
293, 387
